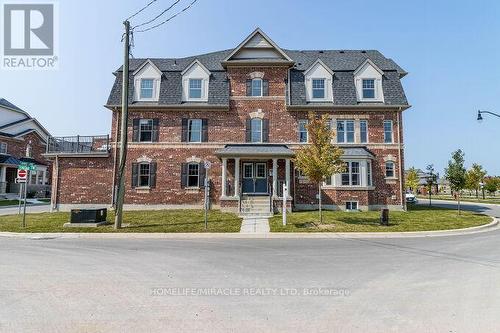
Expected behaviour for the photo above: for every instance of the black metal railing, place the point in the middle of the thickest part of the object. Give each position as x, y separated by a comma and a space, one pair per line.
78, 144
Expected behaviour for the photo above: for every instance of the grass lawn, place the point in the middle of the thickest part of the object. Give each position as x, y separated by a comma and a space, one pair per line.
9, 202
464, 199
418, 218
140, 221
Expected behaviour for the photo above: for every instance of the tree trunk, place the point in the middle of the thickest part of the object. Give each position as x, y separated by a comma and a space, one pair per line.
458, 197
319, 204
477, 194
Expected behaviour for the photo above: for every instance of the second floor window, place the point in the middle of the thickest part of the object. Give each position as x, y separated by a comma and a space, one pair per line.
303, 131
3, 148
147, 88
257, 87
318, 88
368, 88
388, 131
195, 88
345, 131
194, 130
363, 131
351, 175
146, 130
256, 131
389, 169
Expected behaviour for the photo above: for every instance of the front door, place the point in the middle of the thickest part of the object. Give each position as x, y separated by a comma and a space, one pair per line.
254, 178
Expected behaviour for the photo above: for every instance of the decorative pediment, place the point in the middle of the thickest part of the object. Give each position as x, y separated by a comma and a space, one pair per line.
258, 46
193, 159
365, 65
196, 63
144, 159
257, 114
146, 65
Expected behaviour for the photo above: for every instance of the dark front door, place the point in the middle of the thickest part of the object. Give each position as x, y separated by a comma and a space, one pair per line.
254, 178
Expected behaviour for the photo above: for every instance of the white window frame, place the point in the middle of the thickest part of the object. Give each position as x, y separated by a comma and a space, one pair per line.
252, 130
141, 122
363, 121
261, 87
350, 173
153, 92
200, 89
189, 175
351, 209
189, 131
369, 173
387, 163
385, 133
345, 121
140, 175
303, 122
3, 148
324, 88
374, 80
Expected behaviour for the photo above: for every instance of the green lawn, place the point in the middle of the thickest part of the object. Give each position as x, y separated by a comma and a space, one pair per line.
139, 221
418, 218
491, 200
9, 202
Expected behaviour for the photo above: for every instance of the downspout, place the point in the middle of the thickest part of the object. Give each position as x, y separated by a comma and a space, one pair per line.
55, 185
113, 188
401, 172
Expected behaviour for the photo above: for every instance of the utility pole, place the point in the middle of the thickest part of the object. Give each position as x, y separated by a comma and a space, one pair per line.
123, 131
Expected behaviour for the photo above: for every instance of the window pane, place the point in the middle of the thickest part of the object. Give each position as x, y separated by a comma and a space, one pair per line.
256, 87
363, 127
3, 148
147, 88
368, 88
345, 174
195, 88
193, 175
318, 88
389, 169
355, 173
302, 131
350, 131
388, 131
369, 173
145, 130
248, 171
340, 131
256, 134
144, 174
261, 171
194, 130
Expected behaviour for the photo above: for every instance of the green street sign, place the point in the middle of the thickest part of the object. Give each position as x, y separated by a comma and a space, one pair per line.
27, 166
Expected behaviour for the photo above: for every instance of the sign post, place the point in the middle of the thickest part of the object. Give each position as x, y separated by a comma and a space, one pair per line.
23, 174
285, 196
207, 166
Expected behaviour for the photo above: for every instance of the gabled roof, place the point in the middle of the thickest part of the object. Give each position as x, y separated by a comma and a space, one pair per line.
258, 31
8, 105
196, 61
319, 61
148, 62
368, 61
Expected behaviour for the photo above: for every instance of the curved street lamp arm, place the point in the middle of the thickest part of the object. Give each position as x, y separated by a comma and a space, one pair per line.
488, 112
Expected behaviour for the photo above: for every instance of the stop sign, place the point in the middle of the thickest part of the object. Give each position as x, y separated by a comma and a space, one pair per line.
22, 174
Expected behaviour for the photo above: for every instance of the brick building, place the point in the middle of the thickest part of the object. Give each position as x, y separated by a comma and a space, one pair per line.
22, 139
245, 111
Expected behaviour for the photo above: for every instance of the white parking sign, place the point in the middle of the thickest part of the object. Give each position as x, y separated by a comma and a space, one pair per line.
208, 164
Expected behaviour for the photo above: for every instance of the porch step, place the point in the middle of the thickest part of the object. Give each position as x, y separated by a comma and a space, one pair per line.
255, 206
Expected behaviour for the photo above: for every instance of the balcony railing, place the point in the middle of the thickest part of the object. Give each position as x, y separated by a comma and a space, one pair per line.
78, 145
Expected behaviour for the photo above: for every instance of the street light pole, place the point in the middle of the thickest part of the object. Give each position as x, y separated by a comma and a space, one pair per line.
480, 117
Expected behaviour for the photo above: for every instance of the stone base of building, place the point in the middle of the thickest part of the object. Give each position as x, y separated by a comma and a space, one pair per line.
306, 207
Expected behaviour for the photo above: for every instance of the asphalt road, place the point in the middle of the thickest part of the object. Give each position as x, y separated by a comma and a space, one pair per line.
435, 284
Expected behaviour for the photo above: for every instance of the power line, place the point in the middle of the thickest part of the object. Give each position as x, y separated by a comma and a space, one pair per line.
170, 18
157, 16
141, 10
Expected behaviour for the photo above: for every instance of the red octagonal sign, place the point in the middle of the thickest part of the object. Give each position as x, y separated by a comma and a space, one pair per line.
22, 174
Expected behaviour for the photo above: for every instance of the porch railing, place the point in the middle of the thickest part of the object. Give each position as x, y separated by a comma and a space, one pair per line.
78, 144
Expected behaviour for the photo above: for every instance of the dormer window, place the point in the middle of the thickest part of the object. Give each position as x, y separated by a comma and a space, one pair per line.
257, 87
368, 88
318, 88
195, 87
147, 88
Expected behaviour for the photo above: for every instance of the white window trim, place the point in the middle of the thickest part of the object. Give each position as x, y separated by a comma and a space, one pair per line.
364, 164
261, 130
187, 176
351, 210
374, 89
202, 92
139, 97
325, 90
139, 176
345, 131
359, 76
140, 130
2, 151
188, 130
326, 75
393, 170
392, 131
205, 81
367, 131
261, 87
306, 131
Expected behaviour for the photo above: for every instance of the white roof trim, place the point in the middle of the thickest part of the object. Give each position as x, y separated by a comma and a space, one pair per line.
371, 64
196, 61
319, 61
40, 130
144, 64
269, 40
15, 110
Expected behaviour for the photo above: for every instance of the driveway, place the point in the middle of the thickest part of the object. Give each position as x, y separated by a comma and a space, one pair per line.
435, 284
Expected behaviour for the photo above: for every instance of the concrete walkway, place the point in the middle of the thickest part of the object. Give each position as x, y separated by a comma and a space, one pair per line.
255, 226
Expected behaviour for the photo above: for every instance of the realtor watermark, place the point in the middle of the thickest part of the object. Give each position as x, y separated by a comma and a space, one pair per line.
30, 38
249, 291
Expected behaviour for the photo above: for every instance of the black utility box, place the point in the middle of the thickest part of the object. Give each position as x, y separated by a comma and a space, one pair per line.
384, 216
88, 215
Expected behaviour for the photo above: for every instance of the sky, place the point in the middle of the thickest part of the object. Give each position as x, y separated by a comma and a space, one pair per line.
451, 50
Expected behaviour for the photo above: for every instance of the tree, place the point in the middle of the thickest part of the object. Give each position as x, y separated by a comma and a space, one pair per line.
412, 179
431, 180
319, 159
455, 174
475, 177
491, 185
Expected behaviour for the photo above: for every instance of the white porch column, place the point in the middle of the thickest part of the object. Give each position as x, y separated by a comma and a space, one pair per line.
224, 175
3, 175
236, 176
275, 177
287, 174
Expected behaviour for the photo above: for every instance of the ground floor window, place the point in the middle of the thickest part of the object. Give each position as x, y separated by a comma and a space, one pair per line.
351, 174
389, 169
143, 174
193, 175
351, 205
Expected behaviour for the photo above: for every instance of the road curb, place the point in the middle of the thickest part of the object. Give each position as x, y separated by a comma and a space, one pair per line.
493, 225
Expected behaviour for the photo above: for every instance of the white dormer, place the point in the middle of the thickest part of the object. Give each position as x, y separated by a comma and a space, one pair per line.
368, 81
147, 81
195, 79
319, 78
